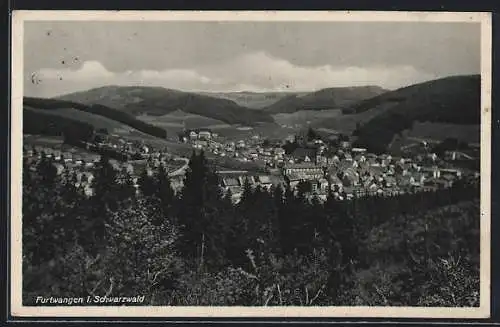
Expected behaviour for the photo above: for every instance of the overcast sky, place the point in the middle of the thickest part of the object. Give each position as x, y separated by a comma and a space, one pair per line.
63, 57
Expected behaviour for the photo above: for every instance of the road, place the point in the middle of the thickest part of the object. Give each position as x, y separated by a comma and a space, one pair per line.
182, 170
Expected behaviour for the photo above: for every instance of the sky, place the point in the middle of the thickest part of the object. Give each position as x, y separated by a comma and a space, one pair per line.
67, 56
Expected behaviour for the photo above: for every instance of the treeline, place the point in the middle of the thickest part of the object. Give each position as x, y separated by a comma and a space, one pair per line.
454, 100
221, 109
272, 248
114, 114
37, 122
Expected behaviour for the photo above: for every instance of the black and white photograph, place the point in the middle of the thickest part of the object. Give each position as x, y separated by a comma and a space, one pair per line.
251, 164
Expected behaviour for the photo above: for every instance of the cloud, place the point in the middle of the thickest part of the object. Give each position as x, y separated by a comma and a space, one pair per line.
90, 70
268, 72
257, 71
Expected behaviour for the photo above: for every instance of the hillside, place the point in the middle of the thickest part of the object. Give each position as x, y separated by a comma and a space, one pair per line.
305, 117
42, 122
157, 101
253, 100
325, 99
452, 100
85, 114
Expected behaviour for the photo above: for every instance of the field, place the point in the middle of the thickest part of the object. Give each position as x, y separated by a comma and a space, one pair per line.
441, 131
304, 117
346, 123
178, 119
173, 123
112, 126
253, 100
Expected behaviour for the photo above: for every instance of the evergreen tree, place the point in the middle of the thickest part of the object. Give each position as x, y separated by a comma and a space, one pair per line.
104, 200
47, 171
200, 214
125, 187
165, 191
146, 183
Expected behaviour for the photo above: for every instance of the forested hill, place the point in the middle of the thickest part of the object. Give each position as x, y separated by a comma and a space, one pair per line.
50, 111
454, 100
329, 98
158, 101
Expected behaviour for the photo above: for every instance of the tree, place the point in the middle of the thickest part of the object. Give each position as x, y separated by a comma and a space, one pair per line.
47, 170
201, 213
105, 199
164, 190
146, 183
311, 134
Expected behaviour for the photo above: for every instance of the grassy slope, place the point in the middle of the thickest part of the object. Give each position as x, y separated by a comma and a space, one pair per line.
89, 112
453, 100
252, 100
160, 101
303, 117
330, 98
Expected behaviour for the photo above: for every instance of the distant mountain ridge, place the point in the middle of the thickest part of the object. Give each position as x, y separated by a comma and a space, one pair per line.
325, 99
157, 101
253, 100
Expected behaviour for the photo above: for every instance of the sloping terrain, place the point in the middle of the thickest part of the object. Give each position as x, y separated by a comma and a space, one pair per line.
451, 100
253, 100
305, 117
325, 99
86, 114
157, 101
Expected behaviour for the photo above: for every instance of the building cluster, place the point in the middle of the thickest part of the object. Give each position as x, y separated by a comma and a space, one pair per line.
315, 166
81, 166
118, 147
250, 149
318, 167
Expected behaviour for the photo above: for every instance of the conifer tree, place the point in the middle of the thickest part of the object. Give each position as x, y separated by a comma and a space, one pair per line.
146, 183
104, 200
165, 192
202, 222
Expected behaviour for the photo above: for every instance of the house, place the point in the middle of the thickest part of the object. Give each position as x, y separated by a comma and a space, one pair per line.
309, 170
358, 150
418, 178
332, 158
431, 171
335, 182
177, 183
457, 173
360, 158
345, 144
228, 182
294, 179
321, 160
323, 184
193, 135
304, 154
241, 144
264, 181
204, 135
59, 168
279, 152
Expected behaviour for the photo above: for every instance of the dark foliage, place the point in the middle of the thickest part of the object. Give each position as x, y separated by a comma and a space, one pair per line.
274, 247
111, 113
453, 100
36, 122
159, 101
330, 98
